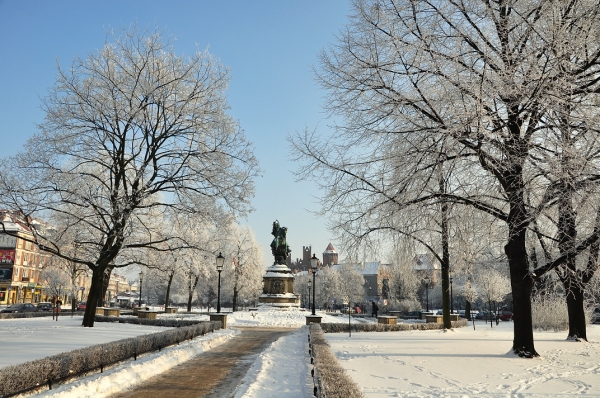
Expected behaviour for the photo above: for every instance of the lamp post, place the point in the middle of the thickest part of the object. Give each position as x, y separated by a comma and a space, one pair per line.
309, 288
141, 275
451, 298
220, 262
427, 281
314, 261
346, 302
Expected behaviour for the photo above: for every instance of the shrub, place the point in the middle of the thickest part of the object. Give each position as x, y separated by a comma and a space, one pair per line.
166, 322
551, 313
331, 378
19, 315
378, 327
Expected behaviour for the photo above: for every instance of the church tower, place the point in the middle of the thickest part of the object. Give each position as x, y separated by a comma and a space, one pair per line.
330, 256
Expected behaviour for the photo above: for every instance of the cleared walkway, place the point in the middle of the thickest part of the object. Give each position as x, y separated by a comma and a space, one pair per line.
215, 373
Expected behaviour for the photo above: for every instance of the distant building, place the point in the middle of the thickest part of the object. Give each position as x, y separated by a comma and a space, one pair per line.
374, 273
301, 264
425, 267
330, 255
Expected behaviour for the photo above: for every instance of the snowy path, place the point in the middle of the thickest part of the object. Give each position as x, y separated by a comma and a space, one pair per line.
215, 373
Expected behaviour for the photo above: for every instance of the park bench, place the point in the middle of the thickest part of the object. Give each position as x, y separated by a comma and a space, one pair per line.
147, 314
387, 319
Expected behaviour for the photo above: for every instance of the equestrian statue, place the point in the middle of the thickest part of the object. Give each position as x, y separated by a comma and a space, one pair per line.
279, 246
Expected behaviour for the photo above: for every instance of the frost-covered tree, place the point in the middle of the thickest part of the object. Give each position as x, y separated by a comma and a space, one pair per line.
492, 285
131, 129
328, 281
248, 268
480, 79
351, 284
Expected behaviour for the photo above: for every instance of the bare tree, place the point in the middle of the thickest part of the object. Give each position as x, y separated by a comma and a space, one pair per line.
351, 284
130, 130
478, 77
493, 285
248, 269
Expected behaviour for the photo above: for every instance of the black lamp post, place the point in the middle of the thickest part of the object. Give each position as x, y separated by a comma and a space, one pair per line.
309, 288
141, 275
314, 261
451, 298
427, 281
220, 262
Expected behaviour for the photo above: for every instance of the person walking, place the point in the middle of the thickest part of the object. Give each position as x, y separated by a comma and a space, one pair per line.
375, 309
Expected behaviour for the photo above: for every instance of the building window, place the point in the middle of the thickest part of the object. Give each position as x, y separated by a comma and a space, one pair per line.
25, 273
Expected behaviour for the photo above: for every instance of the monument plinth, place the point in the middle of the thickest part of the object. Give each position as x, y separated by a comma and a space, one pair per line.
278, 282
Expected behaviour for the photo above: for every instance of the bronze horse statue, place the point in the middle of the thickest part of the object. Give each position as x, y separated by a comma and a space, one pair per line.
279, 246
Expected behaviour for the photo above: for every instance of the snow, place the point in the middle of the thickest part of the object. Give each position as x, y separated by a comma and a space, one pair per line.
461, 362
467, 362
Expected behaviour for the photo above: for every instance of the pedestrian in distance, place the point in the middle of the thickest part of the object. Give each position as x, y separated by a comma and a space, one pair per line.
375, 309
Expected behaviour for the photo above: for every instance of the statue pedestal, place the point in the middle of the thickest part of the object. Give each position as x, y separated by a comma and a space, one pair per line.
313, 319
278, 287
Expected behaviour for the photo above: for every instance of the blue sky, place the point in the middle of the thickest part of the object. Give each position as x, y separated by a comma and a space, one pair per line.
270, 47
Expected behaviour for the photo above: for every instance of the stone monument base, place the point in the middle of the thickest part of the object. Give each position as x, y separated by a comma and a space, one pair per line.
313, 319
219, 318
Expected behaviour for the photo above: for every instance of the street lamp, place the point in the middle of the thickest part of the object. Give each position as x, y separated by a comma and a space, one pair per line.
314, 261
451, 298
309, 287
427, 281
141, 275
220, 262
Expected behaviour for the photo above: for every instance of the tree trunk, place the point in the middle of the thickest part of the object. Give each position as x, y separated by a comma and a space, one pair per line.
189, 303
94, 295
576, 310
168, 294
468, 309
521, 285
571, 279
445, 258
105, 282
235, 298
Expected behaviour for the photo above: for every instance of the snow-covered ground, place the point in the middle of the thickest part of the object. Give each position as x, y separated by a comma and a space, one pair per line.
466, 362
463, 362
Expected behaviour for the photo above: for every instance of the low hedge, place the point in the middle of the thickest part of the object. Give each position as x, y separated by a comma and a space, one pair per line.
331, 379
19, 315
379, 327
166, 322
27, 376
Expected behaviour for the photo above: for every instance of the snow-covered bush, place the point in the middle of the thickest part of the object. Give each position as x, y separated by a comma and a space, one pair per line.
330, 376
405, 305
379, 327
550, 313
165, 322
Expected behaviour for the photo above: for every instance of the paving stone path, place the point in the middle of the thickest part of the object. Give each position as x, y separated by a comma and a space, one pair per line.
212, 374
